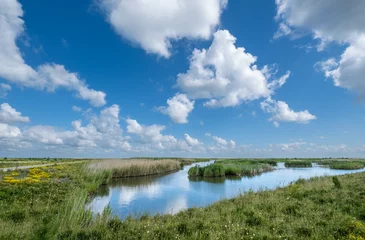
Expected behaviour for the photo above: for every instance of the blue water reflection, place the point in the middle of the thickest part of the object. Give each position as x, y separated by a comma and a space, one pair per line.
172, 193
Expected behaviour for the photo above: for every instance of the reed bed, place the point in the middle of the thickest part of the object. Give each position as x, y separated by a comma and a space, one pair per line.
230, 168
343, 164
135, 168
347, 165
298, 164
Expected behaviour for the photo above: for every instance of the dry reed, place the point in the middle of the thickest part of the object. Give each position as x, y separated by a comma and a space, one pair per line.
135, 168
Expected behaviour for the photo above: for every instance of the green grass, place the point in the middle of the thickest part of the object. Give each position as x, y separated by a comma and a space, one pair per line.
54, 208
40, 210
298, 164
347, 165
314, 209
343, 164
230, 167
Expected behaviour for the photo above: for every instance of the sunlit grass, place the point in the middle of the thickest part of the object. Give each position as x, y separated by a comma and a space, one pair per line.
135, 168
230, 167
54, 208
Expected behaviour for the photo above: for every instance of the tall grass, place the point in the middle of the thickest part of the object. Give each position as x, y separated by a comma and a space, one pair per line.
347, 165
298, 164
230, 168
308, 209
319, 208
343, 164
135, 168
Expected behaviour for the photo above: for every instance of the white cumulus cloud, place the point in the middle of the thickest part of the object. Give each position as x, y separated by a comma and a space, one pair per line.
330, 21
178, 108
226, 75
282, 113
152, 139
47, 76
192, 141
153, 25
7, 131
10, 115
102, 133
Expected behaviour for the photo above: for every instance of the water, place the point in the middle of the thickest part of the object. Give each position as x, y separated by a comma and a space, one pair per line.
172, 193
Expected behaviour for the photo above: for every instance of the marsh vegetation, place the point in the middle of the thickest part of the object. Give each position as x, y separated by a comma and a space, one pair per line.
49, 203
134, 168
298, 164
230, 167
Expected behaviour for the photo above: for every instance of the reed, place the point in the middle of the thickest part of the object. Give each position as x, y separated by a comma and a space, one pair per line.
298, 164
230, 168
347, 165
135, 168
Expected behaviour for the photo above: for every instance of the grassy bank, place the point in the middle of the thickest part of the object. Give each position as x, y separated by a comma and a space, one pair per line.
322, 208
228, 167
39, 203
298, 164
135, 168
50, 204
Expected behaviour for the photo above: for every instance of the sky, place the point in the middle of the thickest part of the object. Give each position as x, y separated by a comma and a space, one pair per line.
184, 78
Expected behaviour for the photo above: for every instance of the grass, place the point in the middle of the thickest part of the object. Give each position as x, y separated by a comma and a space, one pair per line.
314, 209
54, 208
135, 168
298, 164
343, 164
347, 165
37, 203
230, 167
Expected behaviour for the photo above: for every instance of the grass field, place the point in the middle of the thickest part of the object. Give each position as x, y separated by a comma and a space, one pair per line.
49, 203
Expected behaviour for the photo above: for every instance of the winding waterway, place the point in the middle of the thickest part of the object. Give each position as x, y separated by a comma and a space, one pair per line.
174, 192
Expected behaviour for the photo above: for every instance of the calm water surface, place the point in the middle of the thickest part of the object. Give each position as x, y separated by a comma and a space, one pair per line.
172, 193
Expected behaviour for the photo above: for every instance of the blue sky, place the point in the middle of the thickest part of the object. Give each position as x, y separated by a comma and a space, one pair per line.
120, 78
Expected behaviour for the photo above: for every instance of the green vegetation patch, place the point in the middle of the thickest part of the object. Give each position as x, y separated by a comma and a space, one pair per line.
54, 208
230, 167
298, 164
347, 165
343, 164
